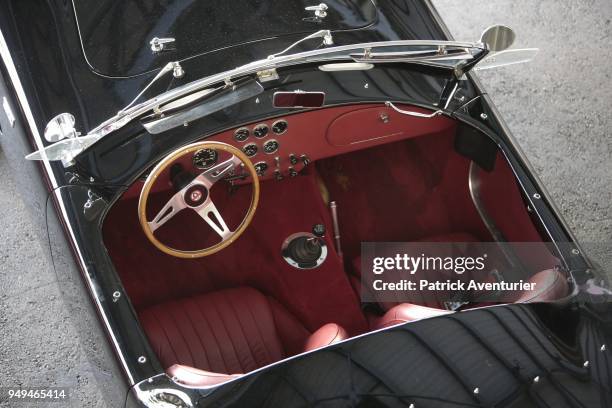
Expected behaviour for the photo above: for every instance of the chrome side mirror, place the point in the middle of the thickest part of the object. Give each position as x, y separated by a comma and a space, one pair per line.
60, 127
498, 38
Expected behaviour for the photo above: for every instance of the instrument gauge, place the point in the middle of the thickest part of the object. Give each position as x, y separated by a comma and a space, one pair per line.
250, 149
270, 146
241, 134
204, 158
280, 126
260, 130
261, 167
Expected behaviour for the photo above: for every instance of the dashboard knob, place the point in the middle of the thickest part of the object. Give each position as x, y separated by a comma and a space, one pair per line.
293, 160
278, 175
292, 172
305, 160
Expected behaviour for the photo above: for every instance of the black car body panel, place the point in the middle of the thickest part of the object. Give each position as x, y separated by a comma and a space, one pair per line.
115, 35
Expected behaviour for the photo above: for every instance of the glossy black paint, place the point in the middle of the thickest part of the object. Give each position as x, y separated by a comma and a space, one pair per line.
508, 356
115, 35
44, 43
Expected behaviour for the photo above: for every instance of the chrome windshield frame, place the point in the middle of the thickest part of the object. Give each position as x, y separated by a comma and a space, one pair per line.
319, 55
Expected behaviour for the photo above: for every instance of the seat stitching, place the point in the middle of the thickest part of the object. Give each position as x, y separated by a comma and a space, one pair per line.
178, 327
199, 309
229, 336
165, 334
224, 294
263, 340
197, 334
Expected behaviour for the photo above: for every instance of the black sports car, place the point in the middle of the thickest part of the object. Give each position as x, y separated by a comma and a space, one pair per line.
215, 181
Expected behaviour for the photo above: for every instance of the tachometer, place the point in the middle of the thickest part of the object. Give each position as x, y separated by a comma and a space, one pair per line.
205, 158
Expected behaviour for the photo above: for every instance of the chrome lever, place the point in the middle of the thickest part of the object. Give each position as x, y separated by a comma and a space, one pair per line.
158, 44
320, 11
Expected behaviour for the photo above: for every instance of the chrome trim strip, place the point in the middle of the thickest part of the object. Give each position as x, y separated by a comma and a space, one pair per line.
25, 106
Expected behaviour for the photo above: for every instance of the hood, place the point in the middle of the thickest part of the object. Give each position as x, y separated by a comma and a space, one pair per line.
116, 35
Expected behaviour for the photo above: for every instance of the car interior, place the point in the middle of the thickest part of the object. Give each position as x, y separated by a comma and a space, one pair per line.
329, 179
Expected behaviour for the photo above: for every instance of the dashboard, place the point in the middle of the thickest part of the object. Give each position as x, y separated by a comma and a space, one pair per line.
282, 147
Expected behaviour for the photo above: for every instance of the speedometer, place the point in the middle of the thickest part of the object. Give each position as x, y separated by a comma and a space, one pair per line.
204, 158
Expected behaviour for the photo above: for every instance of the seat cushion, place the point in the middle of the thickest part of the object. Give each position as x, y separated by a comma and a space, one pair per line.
230, 331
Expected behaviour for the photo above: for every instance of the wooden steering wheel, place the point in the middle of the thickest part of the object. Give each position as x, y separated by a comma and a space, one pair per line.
196, 196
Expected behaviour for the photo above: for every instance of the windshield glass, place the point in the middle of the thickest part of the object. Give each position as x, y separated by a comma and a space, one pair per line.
116, 35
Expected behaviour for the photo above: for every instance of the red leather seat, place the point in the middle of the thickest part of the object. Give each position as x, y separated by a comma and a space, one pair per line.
207, 339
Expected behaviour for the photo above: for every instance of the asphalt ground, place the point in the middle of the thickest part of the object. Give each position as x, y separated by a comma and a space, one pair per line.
558, 107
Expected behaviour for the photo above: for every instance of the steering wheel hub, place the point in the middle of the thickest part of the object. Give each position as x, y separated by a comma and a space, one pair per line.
196, 195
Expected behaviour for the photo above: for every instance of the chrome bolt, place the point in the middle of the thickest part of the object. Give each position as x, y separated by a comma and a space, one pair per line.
116, 295
484, 116
384, 117
177, 70
575, 251
476, 391
366, 85
603, 348
537, 196
536, 379
142, 359
586, 364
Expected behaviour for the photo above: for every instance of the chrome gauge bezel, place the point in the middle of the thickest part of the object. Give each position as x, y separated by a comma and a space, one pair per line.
197, 166
263, 147
242, 129
246, 146
261, 126
276, 123
259, 163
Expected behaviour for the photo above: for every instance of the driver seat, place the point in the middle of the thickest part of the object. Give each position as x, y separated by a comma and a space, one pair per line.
212, 338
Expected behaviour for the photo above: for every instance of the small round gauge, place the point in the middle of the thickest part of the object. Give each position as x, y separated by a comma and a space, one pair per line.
260, 130
280, 126
241, 134
250, 149
261, 167
270, 146
205, 158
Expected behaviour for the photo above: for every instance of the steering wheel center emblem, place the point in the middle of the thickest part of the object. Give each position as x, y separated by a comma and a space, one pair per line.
196, 195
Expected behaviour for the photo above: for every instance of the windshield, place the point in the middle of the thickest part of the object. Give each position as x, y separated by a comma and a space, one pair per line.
116, 35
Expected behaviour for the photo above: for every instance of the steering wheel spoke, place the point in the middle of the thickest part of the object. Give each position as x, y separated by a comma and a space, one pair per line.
170, 209
218, 171
216, 222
